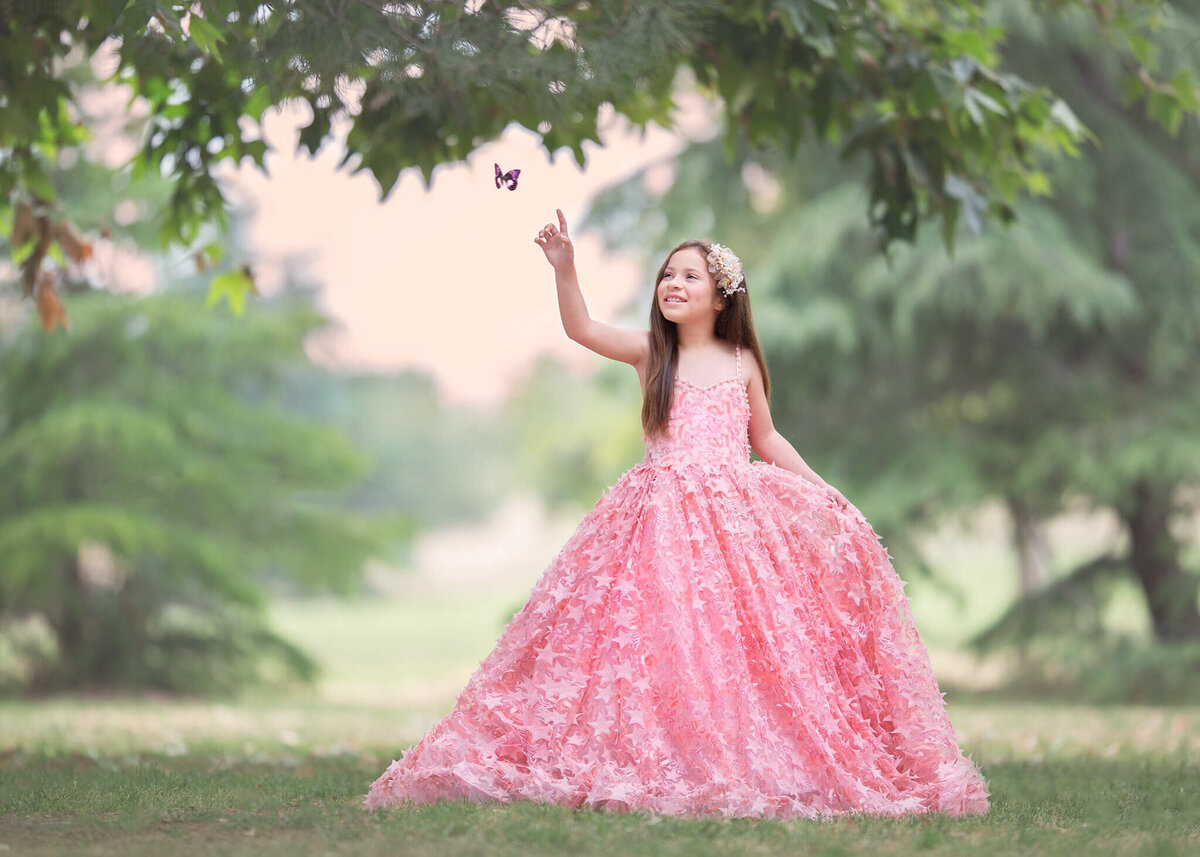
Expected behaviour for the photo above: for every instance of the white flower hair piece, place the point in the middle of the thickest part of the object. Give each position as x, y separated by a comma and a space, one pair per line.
728, 269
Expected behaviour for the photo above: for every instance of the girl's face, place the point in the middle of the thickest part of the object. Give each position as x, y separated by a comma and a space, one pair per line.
687, 291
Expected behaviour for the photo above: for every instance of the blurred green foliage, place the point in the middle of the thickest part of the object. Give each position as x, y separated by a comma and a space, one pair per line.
1046, 365
167, 469
154, 486
432, 463
575, 437
1040, 366
200, 464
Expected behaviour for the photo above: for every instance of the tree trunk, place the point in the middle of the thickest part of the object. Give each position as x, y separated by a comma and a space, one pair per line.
1170, 591
1033, 551
70, 622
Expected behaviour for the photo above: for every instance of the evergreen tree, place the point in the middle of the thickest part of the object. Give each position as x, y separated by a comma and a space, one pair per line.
1134, 206
154, 487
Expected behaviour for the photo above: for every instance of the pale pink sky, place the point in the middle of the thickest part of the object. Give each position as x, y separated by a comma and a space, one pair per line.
445, 279
448, 279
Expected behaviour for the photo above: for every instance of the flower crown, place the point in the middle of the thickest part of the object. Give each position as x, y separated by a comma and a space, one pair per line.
728, 269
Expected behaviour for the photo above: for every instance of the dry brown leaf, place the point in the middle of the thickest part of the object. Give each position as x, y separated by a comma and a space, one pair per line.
31, 268
76, 249
24, 224
50, 308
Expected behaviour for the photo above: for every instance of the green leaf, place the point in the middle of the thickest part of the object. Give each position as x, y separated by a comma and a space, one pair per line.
205, 35
1185, 90
924, 93
257, 103
1132, 89
949, 224
1038, 183
1061, 113
256, 150
231, 285
214, 252
969, 102
794, 19
987, 101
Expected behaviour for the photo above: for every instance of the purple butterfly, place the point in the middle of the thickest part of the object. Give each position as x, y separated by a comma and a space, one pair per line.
508, 179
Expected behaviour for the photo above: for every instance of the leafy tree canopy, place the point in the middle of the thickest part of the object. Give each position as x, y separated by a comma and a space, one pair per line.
915, 87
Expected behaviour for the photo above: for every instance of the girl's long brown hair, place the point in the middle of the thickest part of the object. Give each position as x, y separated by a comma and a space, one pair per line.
734, 324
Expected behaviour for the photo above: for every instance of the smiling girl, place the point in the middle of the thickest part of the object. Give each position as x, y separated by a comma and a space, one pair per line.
718, 636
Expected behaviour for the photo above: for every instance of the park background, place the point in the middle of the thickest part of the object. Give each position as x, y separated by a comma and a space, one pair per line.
273, 534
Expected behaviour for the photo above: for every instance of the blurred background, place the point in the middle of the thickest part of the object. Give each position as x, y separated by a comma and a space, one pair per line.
339, 496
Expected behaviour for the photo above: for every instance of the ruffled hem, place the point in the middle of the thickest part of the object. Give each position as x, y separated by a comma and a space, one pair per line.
399, 788
958, 793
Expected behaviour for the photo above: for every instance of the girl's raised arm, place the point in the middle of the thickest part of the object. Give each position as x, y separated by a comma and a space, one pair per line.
616, 343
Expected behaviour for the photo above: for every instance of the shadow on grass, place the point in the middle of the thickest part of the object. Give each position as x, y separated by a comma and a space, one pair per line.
312, 805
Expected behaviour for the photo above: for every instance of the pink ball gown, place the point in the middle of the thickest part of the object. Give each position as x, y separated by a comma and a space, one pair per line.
716, 637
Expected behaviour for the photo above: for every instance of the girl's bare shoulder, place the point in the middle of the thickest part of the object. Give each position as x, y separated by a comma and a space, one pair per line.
751, 371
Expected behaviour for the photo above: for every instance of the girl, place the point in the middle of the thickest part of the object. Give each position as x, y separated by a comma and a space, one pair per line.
717, 636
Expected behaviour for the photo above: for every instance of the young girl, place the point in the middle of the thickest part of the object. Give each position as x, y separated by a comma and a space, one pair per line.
717, 636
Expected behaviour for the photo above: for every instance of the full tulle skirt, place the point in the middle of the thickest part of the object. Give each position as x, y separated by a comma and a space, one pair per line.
710, 640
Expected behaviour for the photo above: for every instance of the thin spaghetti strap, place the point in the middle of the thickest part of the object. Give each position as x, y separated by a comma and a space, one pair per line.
738, 353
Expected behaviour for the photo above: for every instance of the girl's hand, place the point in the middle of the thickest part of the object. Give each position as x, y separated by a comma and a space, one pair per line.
556, 243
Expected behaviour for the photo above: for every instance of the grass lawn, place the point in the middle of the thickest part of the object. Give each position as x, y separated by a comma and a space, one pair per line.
136, 777
286, 775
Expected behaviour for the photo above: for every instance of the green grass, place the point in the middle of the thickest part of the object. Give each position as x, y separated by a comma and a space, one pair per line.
310, 805
132, 776
136, 777
400, 650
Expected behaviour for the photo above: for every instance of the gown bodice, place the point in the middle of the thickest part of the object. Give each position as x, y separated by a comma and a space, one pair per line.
708, 425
